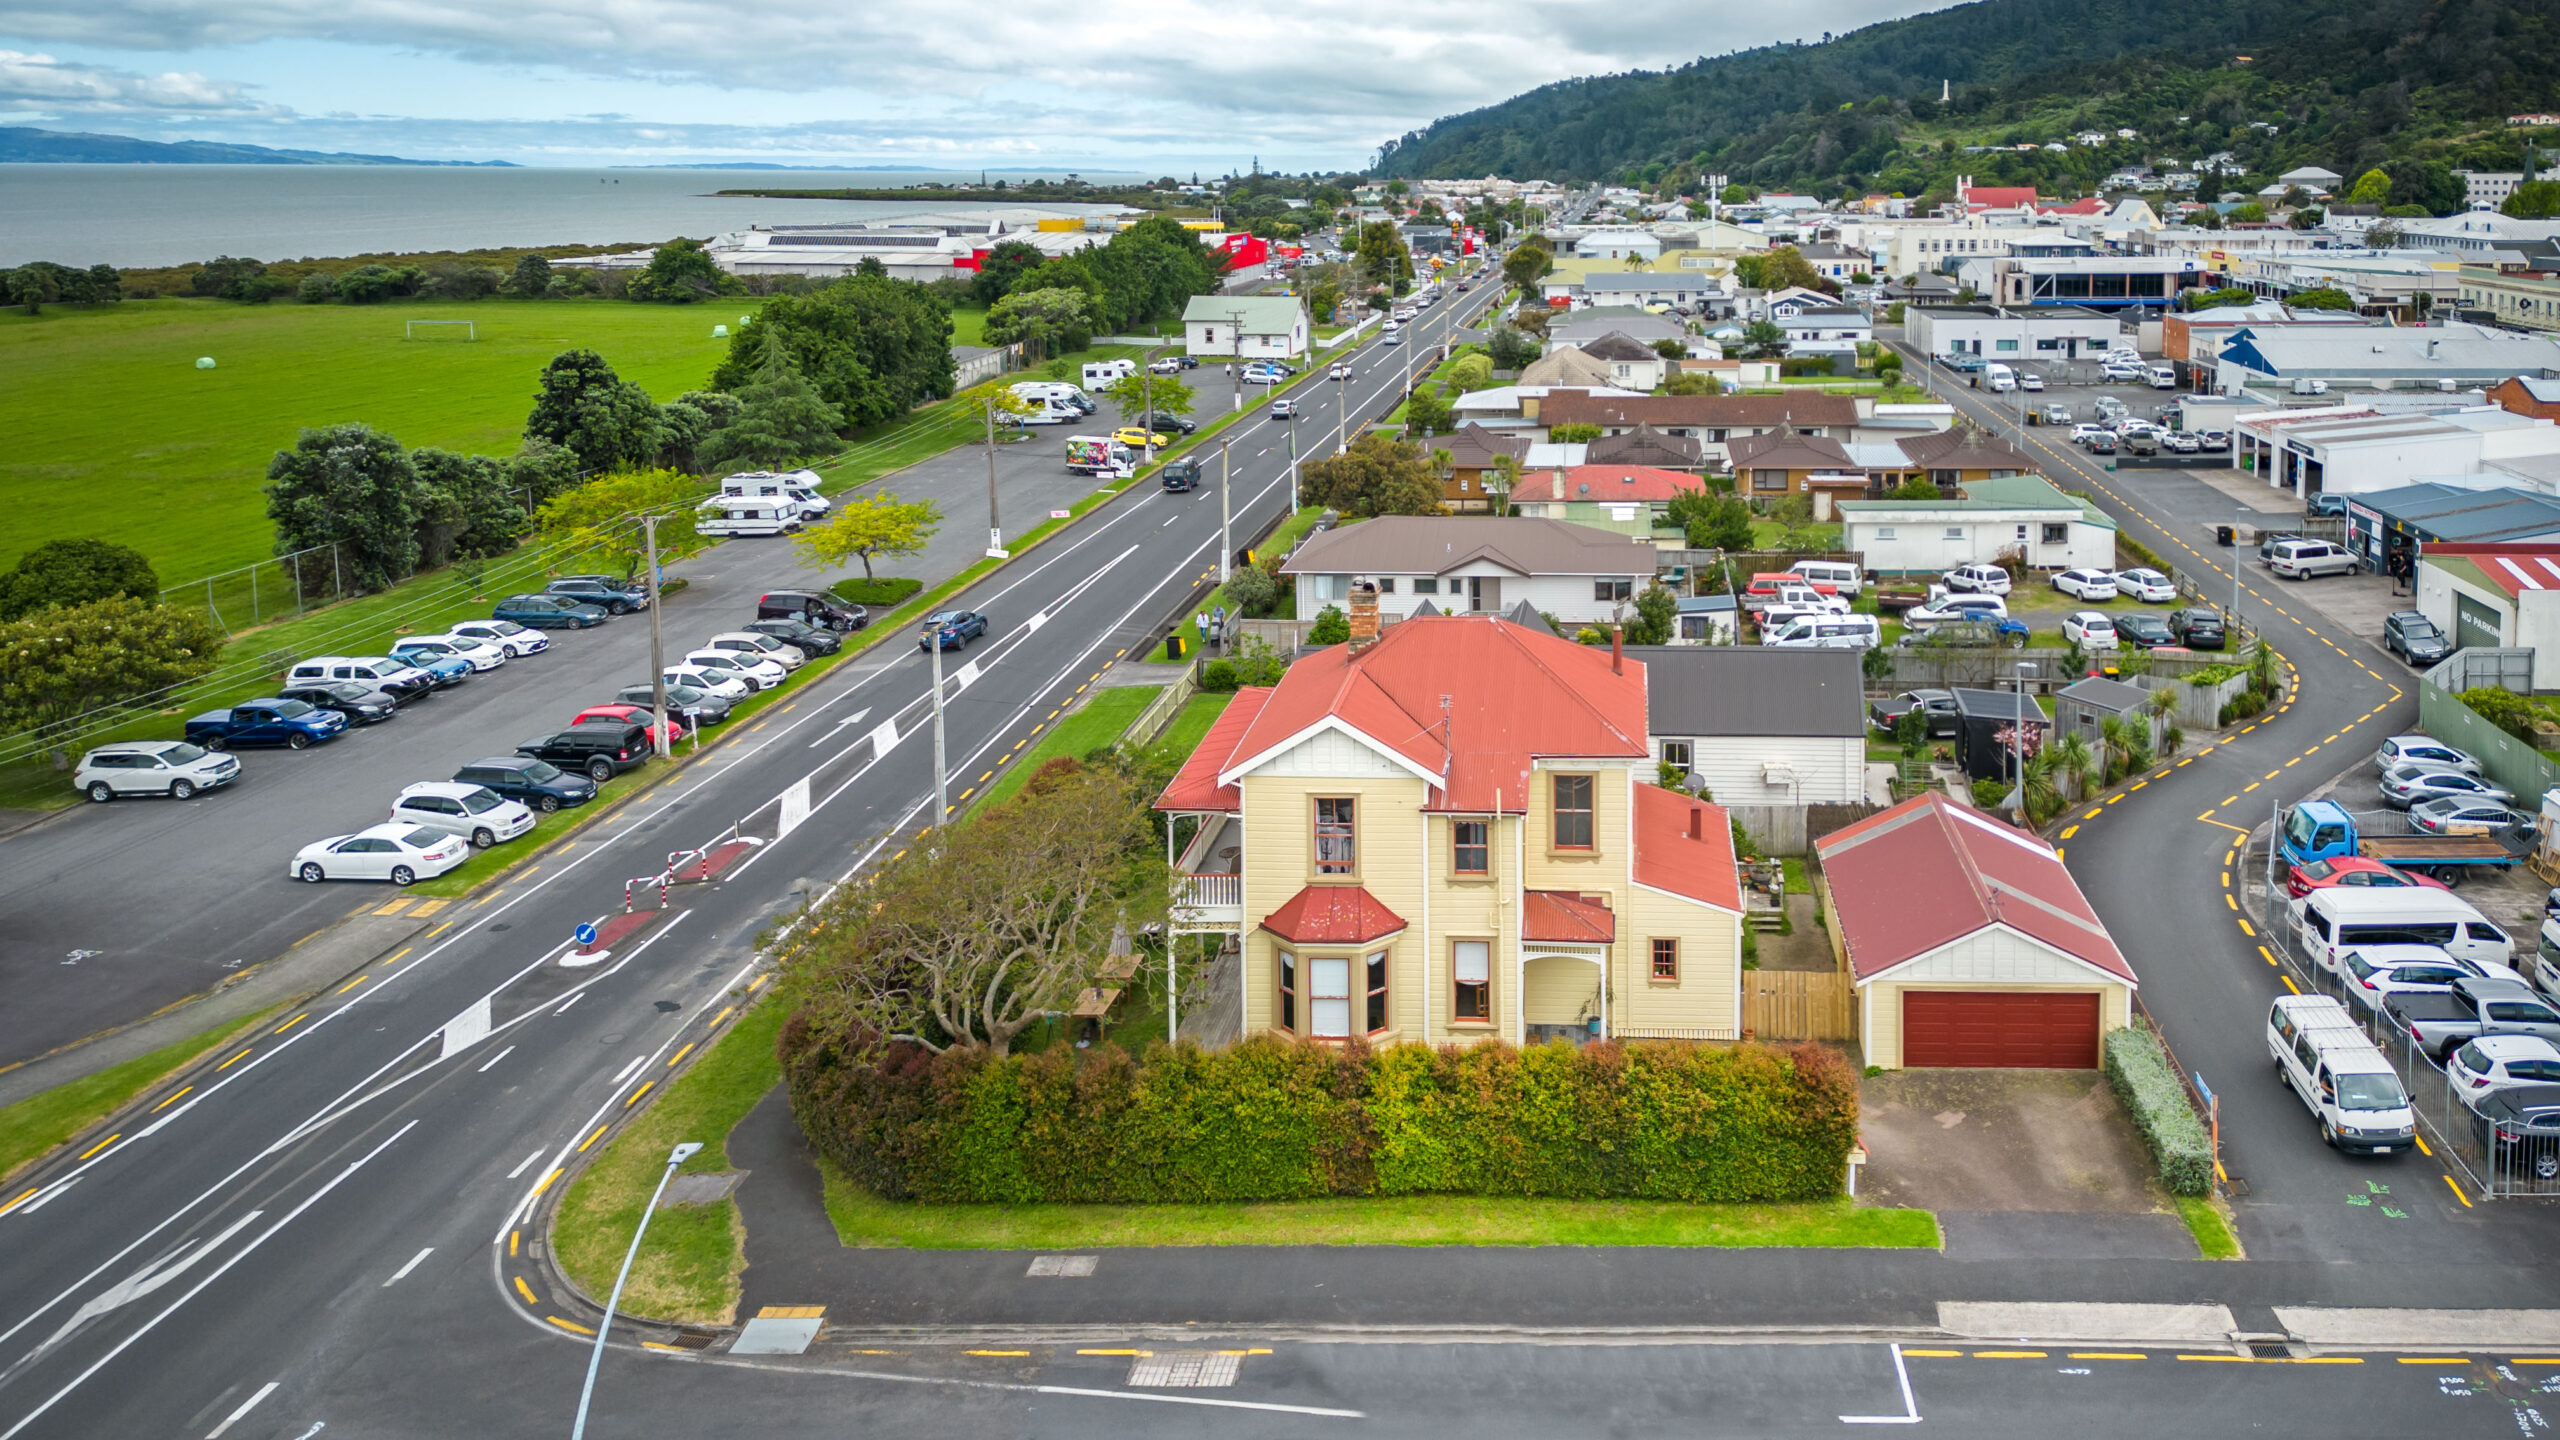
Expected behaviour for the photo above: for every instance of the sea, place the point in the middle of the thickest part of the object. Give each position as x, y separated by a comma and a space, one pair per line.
149, 215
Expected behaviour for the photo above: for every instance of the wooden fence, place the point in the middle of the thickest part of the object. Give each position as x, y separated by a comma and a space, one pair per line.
1799, 1005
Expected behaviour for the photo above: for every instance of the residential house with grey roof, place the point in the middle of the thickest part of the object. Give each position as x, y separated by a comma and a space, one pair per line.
1468, 564
1245, 327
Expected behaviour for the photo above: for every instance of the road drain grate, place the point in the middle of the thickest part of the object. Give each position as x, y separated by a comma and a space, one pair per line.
1044, 1267
1184, 1372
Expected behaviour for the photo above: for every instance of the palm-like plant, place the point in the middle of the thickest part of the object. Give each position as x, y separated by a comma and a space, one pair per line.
2072, 761
2112, 733
2039, 795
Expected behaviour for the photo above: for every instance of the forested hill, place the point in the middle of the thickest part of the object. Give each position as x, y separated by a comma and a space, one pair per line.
2345, 83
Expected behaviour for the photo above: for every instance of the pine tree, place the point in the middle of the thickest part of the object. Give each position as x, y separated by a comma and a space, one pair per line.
780, 417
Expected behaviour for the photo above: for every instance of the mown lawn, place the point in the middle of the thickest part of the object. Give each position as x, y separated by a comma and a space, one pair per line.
116, 434
1101, 722
1189, 727
30, 1129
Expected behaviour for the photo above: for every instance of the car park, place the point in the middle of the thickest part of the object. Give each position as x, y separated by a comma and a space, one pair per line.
602, 751
400, 853
419, 649
2441, 1023
2304, 559
2090, 629
1264, 375
548, 612
2327, 505
1138, 437
1169, 365
476, 813
2029, 381
2086, 433
2373, 975
642, 715
2406, 749
2086, 584
2179, 442
698, 706
270, 721
2405, 785
442, 671
614, 596
1956, 607
174, 768
2353, 872
1977, 580
2144, 630
1166, 424
727, 686
2518, 1126
517, 640
808, 639
755, 644
1822, 630
2198, 628
2324, 1058
538, 784
2213, 439
403, 681
1839, 576
759, 673
2495, 1062
2146, 585
2414, 638
359, 702
951, 630
1939, 705
2102, 443
822, 608
2453, 815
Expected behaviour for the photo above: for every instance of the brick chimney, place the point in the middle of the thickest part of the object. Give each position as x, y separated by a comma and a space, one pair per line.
1364, 616
1697, 822
1617, 650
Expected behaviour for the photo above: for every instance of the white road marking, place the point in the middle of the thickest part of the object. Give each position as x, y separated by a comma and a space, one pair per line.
245, 1407
627, 1072
403, 1272
853, 719
524, 1165
1910, 1408
893, 1377
1169, 519
503, 1054
564, 1007
466, 1029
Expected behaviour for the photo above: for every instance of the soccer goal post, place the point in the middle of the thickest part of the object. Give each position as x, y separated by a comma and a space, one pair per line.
442, 330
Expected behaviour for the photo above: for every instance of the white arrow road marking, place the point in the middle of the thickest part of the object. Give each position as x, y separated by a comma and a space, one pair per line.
829, 738
140, 1283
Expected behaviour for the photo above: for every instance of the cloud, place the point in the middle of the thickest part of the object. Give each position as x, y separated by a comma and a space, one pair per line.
44, 84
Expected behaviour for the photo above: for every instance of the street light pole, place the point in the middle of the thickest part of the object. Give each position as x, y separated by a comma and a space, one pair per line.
595, 1359
941, 759
2235, 575
995, 527
1226, 555
657, 645
2017, 739
1293, 460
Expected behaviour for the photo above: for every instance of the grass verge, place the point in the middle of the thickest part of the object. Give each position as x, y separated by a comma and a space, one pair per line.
2214, 1237
866, 1221
1190, 725
689, 1267
1102, 721
30, 1129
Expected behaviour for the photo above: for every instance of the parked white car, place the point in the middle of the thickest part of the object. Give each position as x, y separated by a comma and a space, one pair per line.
2086, 584
2148, 586
2494, 1062
152, 767
1977, 580
749, 643
401, 853
474, 812
517, 640
759, 673
2303, 559
2372, 974
2089, 629
1943, 608
727, 684
478, 654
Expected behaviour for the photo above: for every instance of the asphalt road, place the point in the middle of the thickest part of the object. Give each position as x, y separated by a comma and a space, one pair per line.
334, 1201
2154, 863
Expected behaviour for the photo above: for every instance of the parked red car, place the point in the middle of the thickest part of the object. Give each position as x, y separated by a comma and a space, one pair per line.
2353, 870
634, 715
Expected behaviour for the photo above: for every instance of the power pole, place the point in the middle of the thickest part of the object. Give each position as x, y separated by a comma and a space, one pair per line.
1293, 461
995, 527
941, 763
1225, 549
657, 643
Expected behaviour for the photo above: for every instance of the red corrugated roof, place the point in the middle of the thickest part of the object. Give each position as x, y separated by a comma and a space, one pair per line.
1930, 871
1669, 858
1559, 917
2085, 205
1999, 197
1332, 915
1514, 695
1605, 482
2512, 568
1195, 786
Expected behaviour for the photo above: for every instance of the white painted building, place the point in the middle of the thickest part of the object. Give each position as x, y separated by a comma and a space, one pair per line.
2060, 332
1245, 327
1760, 726
1471, 564
2025, 513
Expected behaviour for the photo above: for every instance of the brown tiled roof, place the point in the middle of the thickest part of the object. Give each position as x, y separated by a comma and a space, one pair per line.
1645, 445
1616, 345
1966, 448
1786, 450
1699, 411
1473, 447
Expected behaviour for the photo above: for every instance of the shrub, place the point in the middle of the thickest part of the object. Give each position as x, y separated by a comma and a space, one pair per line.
1218, 676
1275, 1119
1331, 627
2139, 553
2505, 709
1987, 794
887, 590
1253, 591
2138, 1066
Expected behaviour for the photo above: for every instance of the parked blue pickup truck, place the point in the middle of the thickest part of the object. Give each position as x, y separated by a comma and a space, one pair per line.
289, 723
2324, 830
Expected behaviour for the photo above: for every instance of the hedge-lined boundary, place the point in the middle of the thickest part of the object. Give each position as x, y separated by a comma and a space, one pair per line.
2139, 1068
1270, 1119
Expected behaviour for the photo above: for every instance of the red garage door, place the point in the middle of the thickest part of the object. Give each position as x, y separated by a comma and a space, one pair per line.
1993, 1028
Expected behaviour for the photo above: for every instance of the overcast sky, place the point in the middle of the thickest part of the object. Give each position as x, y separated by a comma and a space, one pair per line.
1150, 85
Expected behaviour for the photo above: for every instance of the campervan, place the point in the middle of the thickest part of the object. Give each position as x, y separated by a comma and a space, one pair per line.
747, 515
797, 486
1102, 374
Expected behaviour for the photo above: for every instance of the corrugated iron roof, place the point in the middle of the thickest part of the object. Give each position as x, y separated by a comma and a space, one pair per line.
1558, 917
1195, 786
1670, 857
1332, 915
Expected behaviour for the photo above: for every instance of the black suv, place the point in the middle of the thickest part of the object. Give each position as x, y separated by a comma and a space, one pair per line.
1166, 424
360, 703
805, 636
2414, 638
538, 783
2197, 628
618, 597
822, 609
1181, 475
602, 748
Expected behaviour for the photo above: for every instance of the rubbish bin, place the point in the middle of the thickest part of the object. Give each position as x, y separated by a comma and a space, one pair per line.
1175, 646
2221, 534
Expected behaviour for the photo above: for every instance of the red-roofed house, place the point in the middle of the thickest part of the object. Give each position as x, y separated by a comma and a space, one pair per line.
1450, 832
1969, 943
1993, 197
1615, 497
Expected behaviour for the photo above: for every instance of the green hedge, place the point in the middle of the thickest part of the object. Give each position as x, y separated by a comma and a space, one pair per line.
2127, 545
1270, 1119
888, 590
2139, 1067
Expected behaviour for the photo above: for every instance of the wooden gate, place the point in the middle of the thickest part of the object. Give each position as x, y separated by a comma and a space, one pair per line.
1799, 1005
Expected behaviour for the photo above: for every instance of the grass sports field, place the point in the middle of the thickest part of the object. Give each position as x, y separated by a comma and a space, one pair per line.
114, 433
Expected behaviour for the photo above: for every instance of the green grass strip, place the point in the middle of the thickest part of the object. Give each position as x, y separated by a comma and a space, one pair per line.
1102, 721
689, 1267
1189, 727
863, 1220
32, 1128
2214, 1237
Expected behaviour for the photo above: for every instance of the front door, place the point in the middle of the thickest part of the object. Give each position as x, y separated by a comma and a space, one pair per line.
1484, 592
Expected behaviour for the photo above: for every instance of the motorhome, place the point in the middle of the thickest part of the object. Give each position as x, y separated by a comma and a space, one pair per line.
747, 515
1102, 374
797, 486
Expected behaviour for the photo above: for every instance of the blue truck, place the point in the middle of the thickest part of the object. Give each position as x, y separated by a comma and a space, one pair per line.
271, 721
2326, 830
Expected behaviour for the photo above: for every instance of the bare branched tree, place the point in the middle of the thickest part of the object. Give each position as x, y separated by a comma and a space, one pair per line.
997, 924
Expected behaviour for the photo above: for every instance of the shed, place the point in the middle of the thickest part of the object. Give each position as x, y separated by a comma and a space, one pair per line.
2081, 708
1983, 721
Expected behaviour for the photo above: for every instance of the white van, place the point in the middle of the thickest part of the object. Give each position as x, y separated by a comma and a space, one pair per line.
2161, 375
798, 486
1843, 577
1102, 374
2339, 918
2543, 970
1999, 377
1825, 632
1054, 402
747, 515
2341, 1078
